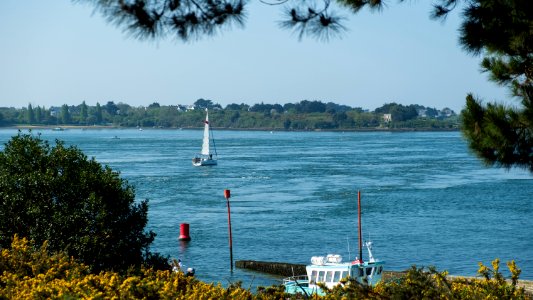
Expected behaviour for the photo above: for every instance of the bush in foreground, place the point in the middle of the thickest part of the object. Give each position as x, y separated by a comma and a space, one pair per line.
35, 274
56, 194
26, 273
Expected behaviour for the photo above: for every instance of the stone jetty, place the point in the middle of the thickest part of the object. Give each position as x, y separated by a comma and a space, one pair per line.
274, 268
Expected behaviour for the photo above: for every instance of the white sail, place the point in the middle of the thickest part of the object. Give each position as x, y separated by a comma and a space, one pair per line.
205, 144
205, 158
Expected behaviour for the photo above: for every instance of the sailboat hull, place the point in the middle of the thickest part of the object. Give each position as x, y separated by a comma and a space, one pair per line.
199, 162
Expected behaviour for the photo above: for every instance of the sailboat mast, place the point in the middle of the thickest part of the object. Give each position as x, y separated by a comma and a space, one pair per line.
359, 221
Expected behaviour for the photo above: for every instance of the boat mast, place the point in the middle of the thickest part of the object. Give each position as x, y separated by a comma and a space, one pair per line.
359, 221
213, 140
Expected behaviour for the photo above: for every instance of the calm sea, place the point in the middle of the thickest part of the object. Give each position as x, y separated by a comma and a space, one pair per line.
426, 199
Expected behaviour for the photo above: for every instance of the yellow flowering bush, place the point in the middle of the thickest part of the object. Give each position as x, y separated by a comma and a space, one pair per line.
431, 284
492, 284
35, 274
26, 273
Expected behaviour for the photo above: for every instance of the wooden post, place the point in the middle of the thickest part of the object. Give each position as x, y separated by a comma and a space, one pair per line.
227, 195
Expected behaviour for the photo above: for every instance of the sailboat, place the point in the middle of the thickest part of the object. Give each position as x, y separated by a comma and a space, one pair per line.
206, 158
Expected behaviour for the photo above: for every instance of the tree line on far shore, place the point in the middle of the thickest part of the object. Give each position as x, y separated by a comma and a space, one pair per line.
303, 115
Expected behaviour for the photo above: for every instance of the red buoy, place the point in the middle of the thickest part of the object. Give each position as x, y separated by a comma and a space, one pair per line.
184, 232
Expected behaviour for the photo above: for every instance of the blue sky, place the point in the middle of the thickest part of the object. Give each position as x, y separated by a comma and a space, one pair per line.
57, 52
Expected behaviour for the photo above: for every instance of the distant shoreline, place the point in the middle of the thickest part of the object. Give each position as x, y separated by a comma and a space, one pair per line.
376, 129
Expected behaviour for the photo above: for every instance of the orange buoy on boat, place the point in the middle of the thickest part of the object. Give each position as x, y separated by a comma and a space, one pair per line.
184, 232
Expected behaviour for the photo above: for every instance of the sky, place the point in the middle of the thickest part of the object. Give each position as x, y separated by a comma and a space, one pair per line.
60, 52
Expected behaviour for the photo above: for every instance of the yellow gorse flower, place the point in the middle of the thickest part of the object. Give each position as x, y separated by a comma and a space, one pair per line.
34, 274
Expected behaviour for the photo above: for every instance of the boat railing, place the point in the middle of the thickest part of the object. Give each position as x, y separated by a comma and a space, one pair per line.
300, 279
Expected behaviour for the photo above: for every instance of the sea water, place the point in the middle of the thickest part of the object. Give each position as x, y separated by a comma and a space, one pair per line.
426, 199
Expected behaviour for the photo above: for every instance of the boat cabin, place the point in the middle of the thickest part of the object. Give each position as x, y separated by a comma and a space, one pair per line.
331, 270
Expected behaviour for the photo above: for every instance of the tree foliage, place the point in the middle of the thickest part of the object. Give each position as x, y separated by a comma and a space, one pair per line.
205, 103
65, 114
192, 19
30, 116
399, 112
84, 113
56, 194
303, 115
183, 19
502, 31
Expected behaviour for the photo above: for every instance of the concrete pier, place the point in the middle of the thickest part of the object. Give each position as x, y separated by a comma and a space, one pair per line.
274, 268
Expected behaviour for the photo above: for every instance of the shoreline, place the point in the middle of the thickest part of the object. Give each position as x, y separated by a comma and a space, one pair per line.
96, 127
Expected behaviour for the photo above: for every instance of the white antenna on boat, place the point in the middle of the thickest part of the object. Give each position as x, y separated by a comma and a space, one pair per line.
368, 245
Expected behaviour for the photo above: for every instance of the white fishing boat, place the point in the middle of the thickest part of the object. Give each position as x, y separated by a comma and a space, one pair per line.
206, 158
331, 270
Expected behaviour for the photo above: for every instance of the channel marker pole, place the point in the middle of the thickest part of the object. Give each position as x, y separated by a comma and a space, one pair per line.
227, 195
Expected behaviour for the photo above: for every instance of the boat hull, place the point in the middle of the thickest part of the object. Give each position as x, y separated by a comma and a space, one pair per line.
300, 285
200, 162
